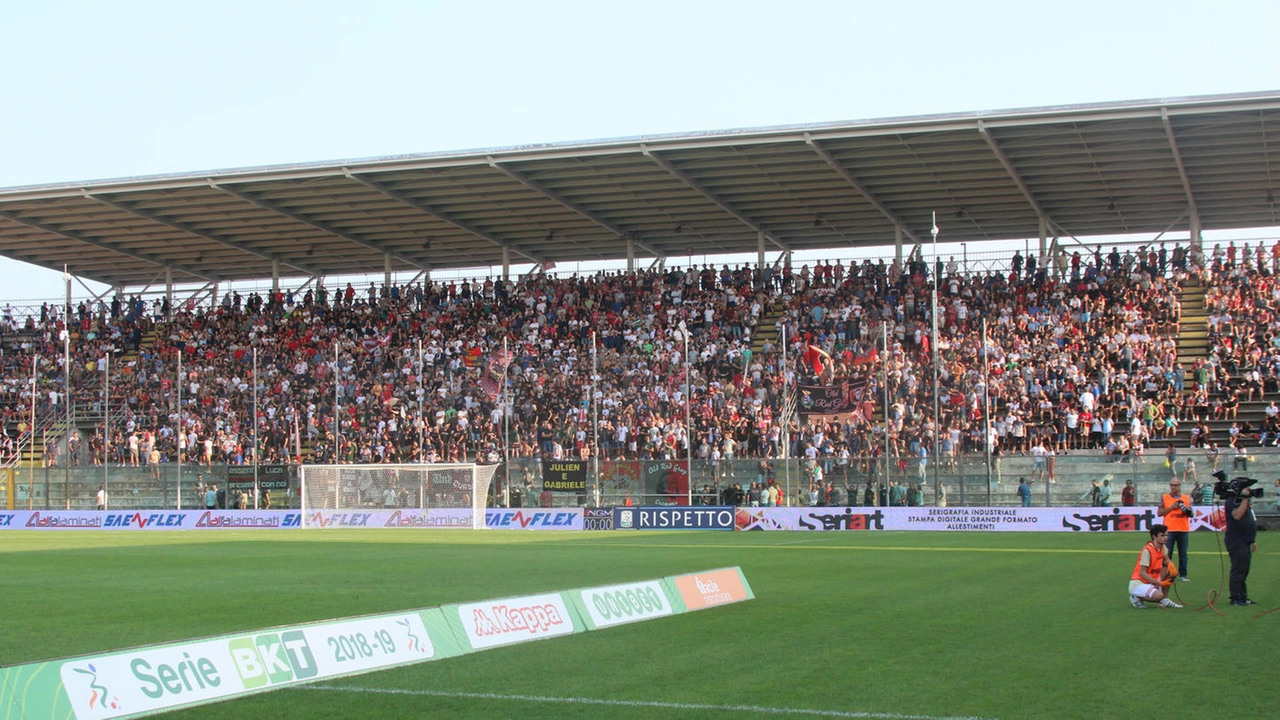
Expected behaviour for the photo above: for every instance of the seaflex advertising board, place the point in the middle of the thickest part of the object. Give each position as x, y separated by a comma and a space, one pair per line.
680, 517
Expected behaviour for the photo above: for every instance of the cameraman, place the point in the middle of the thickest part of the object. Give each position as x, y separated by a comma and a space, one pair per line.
1175, 508
1241, 540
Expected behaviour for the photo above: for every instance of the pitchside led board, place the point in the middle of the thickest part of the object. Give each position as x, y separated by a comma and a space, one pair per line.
272, 478
567, 476
151, 680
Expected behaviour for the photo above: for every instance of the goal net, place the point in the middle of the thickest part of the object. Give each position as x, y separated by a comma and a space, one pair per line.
376, 487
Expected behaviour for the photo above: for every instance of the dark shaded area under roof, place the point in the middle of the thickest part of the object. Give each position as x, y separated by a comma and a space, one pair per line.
1106, 169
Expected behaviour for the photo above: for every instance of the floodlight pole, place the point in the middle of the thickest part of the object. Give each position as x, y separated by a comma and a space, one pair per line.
688, 426
31, 433
595, 418
181, 439
106, 431
256, 491
337, 387
882, 496
66, 367
787, 393
986, 405
505, 394
421, 396
937, 419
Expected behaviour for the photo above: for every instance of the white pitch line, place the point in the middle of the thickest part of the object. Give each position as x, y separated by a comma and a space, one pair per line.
760, 709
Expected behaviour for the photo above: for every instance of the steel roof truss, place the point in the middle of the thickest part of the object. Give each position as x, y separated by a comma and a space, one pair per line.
1017, 178
85, 239
706, 193
1182, 170
422, 207
317, 224
192, 230
550, 194
857, 185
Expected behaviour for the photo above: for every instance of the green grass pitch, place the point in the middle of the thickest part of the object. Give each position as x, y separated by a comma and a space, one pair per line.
869, 625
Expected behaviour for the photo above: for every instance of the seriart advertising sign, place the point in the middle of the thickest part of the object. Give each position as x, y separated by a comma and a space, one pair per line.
983, 519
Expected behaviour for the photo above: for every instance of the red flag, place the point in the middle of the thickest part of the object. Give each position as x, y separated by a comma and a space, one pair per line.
870, 358
814, 356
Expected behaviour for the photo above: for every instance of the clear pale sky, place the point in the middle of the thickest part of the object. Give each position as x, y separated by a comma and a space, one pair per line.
101, 90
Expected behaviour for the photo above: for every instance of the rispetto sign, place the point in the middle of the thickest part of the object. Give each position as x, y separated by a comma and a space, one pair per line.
150, 680
676, 517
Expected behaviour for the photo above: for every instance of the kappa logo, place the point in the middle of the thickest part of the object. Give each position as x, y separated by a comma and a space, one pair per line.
504, 619
98, 693
273, 659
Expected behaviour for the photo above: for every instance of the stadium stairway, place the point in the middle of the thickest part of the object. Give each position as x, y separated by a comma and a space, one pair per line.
767, 329
1193, 328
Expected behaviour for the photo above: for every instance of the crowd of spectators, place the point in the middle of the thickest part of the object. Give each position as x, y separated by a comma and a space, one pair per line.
1079, 355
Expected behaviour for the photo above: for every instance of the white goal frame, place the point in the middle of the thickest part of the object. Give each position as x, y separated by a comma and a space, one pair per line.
414, 486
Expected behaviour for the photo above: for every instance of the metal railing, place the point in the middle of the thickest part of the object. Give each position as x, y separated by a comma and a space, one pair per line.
1066, 482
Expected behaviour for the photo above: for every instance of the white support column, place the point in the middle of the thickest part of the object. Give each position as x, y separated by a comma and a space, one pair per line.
897, 244
275, 276
1196, 241
631, 255
386, 271
506, 263
168, 291
1044, 241
214, 295
760, 242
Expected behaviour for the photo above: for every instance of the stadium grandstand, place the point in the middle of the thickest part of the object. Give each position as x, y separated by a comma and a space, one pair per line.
764, 315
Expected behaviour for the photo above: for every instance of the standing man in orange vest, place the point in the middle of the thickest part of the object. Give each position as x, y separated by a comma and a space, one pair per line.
1153, 573
1175, 508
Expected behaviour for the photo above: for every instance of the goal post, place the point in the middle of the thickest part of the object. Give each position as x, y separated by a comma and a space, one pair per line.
410, 486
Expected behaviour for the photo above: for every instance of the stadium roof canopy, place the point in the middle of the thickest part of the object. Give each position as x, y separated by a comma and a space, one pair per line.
1116, 168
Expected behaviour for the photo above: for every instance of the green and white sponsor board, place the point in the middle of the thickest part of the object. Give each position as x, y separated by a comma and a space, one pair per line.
604, 607
149, 680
